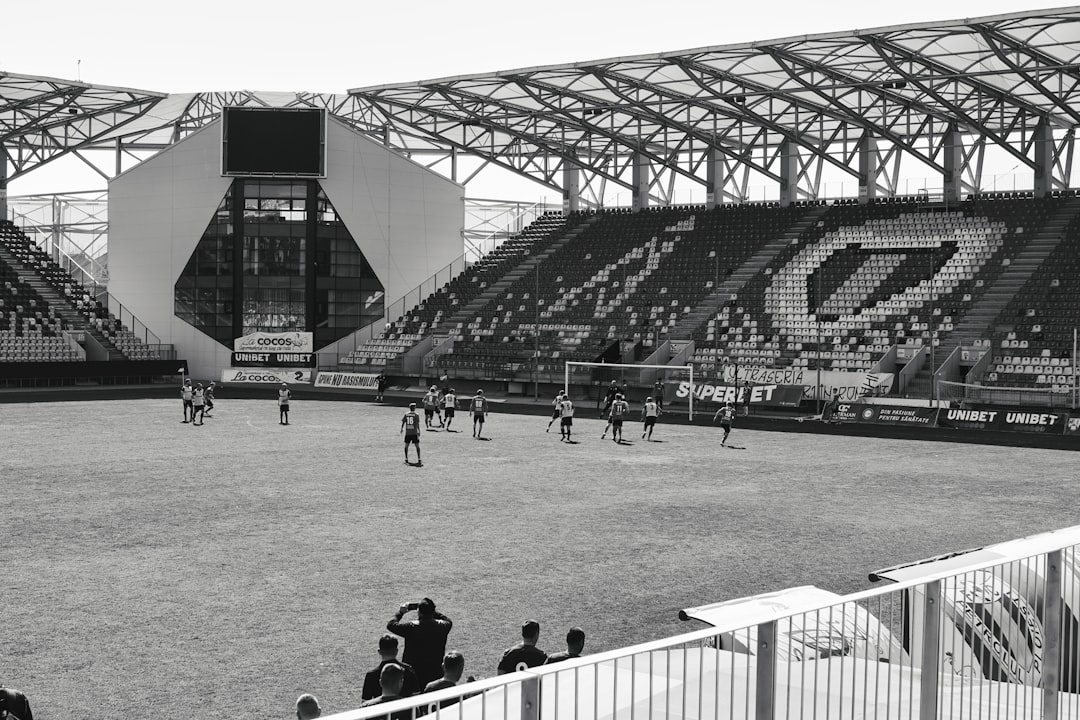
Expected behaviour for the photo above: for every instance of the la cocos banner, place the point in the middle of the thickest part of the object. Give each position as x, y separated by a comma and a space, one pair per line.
849, 385
354, 381
283, 342
265, 376
777, 395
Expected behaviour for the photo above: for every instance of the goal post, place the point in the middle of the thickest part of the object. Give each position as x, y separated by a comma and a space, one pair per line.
626, 367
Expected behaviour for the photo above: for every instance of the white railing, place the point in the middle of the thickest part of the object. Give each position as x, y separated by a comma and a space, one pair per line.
992, 634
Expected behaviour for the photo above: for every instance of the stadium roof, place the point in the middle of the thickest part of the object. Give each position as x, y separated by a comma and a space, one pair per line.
998, 82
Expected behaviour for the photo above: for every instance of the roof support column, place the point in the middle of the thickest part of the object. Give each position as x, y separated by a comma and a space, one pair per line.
714, 179
640, 181
952, 150
1044, 159
3, 182
789, 172
571, 187
868, 168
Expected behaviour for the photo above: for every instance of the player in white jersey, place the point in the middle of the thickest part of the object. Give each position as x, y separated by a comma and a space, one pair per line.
649, 412
619, 410
283, 397
555, 409
566, 417
479, 409
449, 402
185, 394
431, 406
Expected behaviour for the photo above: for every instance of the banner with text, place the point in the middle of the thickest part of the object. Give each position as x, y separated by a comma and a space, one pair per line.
351, 381
274, 359
1073, 426
850, 385
288, 342
771, 395
1004, 419
265, 376
884, 414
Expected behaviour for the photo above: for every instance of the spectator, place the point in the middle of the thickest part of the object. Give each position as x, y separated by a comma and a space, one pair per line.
14, 705
575, 643
307, 707
525, 654
453, 666
391, 681
425, 638
388, 648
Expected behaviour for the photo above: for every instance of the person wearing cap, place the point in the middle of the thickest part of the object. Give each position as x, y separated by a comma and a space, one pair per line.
449, 401
388, 650
410, 427
575, 643
307, 707
425, 638
479, 410
524, 654
283, 397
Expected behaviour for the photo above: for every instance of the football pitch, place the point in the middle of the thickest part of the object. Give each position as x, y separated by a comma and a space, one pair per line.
156, 569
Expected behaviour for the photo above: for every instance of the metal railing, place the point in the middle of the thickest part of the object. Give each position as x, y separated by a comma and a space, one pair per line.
1006, 396
990, 635
418, 294
912, 368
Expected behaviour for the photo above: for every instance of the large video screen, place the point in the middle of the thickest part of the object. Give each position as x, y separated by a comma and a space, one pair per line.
273, 141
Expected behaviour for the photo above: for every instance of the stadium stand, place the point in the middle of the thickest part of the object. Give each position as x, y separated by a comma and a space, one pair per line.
453, 297
43, 300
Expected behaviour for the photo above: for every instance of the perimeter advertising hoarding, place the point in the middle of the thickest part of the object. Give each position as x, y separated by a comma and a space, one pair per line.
1073, 426
265, 376
885, 414
353, 381
1004, 419
769, 395
274, 359
293, 342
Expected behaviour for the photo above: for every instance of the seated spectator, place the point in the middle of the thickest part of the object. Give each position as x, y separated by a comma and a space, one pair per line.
307, 707
14, 705
453, 666
391, 680
388, 648
575, 643
525, 654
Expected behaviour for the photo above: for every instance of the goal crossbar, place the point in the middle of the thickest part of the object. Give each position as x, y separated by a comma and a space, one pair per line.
627, 366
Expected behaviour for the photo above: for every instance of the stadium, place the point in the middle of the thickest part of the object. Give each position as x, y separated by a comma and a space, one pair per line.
847, 247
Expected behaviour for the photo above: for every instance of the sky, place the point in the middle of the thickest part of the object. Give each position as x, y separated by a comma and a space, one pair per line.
318, 46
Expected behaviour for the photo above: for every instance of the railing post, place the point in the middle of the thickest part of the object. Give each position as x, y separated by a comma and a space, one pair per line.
766, 671
1051, 671
530, 698
928, 690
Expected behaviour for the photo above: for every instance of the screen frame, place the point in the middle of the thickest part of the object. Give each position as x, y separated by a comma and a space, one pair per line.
323, 119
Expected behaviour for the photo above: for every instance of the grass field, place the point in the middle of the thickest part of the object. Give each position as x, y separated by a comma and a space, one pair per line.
155, 569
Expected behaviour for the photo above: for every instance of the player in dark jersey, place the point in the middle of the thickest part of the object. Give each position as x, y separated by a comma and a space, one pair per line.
619, 410
609, 397
727, 416
410, 427
479, 409
555, 409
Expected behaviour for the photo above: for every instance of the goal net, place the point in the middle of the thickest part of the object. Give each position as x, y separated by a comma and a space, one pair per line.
640, 381
1061, 396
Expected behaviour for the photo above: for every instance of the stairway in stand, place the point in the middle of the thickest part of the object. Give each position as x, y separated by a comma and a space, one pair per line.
978, 323
736, 281
61, 304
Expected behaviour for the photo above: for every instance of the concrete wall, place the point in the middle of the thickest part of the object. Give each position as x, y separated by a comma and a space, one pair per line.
407, 220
